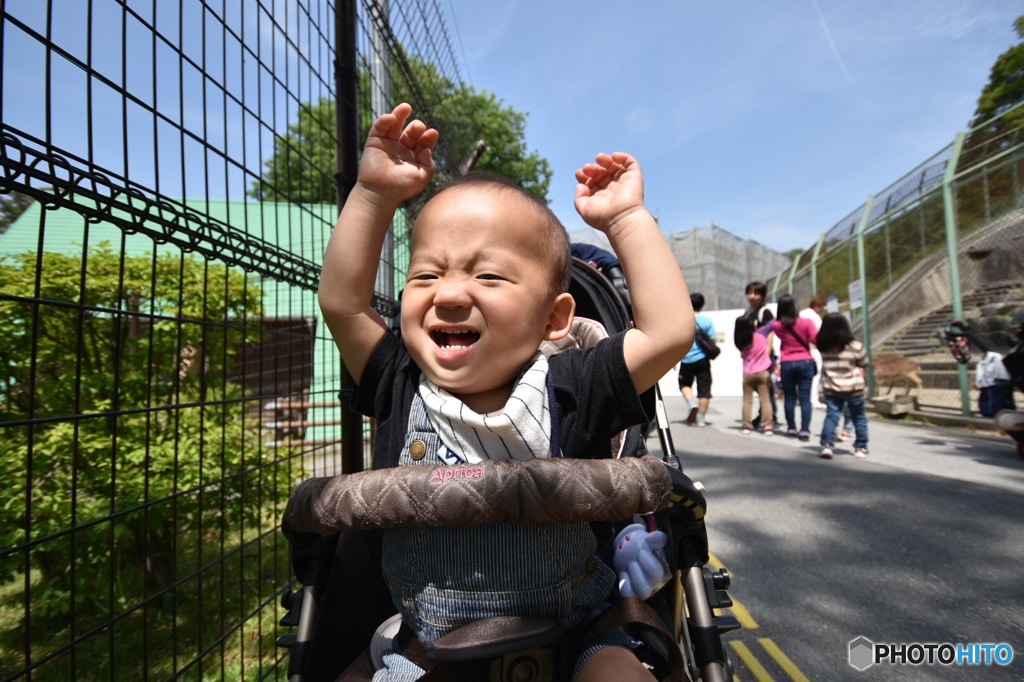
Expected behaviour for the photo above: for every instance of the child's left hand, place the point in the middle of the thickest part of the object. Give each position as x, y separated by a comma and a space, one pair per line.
639, 561
609, 190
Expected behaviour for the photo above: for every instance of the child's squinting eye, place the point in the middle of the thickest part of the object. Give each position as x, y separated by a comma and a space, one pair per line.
491, 276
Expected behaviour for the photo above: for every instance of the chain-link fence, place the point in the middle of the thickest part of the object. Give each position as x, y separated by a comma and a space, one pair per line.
171, 173
944, 242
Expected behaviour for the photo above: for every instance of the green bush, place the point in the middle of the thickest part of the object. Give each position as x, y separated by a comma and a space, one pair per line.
126, 444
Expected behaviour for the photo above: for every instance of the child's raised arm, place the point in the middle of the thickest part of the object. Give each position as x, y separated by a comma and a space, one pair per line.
396, 164
610, 198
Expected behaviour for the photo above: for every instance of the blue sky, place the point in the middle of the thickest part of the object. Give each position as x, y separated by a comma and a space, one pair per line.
772, 119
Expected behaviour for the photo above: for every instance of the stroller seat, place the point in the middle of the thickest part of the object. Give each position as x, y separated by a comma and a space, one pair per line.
564, 491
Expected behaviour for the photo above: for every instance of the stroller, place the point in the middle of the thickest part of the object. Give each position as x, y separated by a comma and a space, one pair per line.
335, 530
998, 375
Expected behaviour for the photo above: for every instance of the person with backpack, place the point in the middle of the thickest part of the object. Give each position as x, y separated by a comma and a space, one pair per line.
696, 365
754, 345
759, 315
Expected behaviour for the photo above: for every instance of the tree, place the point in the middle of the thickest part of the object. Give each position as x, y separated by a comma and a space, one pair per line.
1004, 90
303, 165
463, 116
124, 424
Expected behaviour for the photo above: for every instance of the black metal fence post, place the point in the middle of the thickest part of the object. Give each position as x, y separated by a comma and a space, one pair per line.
347, 119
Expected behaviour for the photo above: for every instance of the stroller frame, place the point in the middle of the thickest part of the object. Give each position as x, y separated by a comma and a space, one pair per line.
687, 605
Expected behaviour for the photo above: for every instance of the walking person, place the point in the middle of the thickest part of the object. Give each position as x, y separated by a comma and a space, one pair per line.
696, 366
753, 345
796, 336
760, 314
813, 311
842, 383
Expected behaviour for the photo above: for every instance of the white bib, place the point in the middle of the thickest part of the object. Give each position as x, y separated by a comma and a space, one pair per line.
520, 430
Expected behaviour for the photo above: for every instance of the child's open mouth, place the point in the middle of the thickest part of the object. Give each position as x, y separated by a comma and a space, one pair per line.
454, 338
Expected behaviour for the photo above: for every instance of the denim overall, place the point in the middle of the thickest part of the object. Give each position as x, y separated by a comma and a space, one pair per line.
442, 578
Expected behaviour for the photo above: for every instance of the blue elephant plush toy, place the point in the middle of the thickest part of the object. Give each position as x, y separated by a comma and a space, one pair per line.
640, 562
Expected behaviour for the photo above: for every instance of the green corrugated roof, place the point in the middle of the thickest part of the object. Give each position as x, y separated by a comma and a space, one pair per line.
301, 230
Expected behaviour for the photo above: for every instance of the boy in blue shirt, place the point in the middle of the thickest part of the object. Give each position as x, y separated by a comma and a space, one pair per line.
696, 366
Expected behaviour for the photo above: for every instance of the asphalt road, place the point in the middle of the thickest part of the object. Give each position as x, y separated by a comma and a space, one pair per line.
923, 542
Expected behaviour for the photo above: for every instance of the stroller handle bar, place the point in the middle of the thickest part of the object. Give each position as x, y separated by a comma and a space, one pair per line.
528, 491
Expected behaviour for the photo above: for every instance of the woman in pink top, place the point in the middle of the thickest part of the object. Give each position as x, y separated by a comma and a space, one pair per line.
757, 364
796, 336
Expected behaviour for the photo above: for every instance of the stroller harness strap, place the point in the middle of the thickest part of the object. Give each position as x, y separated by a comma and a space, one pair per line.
635, 615
638, 616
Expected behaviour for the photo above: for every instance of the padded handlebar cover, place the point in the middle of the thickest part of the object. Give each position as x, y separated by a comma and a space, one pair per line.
532, 491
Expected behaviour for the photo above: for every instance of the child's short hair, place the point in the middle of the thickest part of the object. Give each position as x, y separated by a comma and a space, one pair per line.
556, 246
759, 288
697, 301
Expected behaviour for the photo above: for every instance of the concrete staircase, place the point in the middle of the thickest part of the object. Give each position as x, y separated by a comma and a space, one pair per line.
923, 337
922, 340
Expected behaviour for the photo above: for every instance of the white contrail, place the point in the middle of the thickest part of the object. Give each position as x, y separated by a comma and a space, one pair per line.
832, 43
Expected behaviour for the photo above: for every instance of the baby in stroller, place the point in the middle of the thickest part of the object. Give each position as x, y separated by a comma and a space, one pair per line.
487, 283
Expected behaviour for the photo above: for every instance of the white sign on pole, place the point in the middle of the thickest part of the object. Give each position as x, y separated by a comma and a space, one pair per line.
856, 295
832, 305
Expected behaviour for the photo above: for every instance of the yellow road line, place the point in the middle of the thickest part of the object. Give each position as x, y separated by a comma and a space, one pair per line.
783, 660
755, 667
747, 621
737, 609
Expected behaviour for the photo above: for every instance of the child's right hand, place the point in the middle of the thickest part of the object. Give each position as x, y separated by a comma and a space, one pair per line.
397, 160
609, 190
